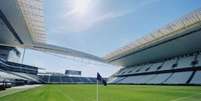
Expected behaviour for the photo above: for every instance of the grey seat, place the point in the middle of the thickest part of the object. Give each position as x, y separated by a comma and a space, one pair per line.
196, 78
179, 78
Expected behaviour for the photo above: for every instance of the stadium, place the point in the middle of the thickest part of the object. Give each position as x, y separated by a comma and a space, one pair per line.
163, 65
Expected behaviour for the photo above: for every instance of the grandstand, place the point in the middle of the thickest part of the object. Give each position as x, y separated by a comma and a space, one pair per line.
59, 78
14, 71
170, 55
22, 26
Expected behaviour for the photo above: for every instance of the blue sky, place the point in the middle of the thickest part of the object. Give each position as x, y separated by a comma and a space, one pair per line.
101, 26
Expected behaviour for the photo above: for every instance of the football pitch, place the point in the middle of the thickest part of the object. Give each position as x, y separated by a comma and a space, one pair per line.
107, 93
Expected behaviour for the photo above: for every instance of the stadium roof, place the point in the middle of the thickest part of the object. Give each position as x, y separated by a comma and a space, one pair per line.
22, 24
32, 11
180, 27
64, 51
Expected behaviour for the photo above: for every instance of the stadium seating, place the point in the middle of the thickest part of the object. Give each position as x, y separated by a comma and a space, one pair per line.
44, 78
92, 80
128, 70
185, 62
142, 79
66, 79
55, 79
120, 71
28, 77
130, 79
155, 67
176, 70
199, 61
140, 69
132, 70
2, 87
169, 64
145, 78
160, 78
8, 75
18, 74
196, 78
144, 68
76, 79
116, 80
179, 78
84, 80
112, 80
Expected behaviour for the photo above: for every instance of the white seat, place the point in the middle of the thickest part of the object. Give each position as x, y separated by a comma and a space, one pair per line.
179, 78
199, 61
130, 79
6, 75
119, 72
27, 76
122, 71
159, 79
144, 67
149, 78
185, 62
131, 70
141, 79
168, 64
155, 66
196, 78
126, 71
112, 79
140, 69
118, 80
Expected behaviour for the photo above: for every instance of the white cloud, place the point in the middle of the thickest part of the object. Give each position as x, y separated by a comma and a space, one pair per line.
78, 7
110, 15
85, 24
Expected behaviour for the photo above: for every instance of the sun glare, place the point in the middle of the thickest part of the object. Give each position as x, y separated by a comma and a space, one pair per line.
81, 7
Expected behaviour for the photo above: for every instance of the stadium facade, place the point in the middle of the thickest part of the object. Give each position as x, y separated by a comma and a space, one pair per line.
169, 55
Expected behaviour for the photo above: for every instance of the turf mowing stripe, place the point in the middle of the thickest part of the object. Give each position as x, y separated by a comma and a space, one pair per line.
185, 98
68, 97
14, 90
108, 93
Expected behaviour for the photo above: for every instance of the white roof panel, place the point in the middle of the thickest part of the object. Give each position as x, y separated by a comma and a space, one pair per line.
160, 34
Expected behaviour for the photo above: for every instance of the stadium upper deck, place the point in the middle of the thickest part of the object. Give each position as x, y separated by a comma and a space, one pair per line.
177, 38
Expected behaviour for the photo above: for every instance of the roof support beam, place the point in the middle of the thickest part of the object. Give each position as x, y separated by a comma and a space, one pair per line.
9, 26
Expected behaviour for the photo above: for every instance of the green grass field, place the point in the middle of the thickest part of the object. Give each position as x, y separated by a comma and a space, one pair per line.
108, 93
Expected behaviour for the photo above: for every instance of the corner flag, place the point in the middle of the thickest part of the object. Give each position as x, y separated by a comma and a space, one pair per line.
100, 79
